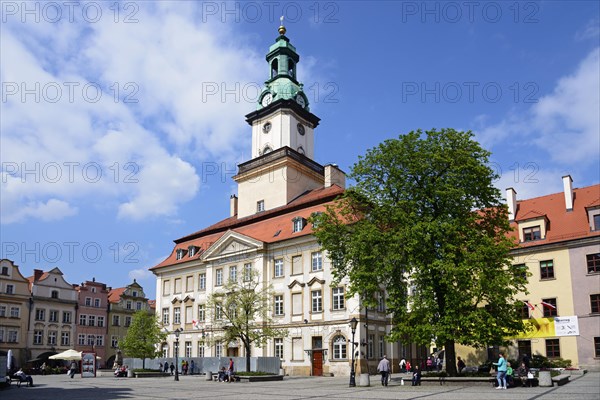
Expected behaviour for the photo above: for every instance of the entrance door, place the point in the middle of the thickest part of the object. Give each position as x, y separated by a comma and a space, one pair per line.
317, 363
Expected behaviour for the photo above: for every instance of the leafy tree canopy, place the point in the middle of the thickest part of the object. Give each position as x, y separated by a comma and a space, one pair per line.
142, 337
425, 219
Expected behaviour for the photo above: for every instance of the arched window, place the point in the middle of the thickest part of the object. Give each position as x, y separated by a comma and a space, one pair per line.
267, 149
274, 68
339, 347
291, 69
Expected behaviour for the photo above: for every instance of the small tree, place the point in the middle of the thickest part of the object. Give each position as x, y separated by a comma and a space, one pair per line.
242, 310
142, 337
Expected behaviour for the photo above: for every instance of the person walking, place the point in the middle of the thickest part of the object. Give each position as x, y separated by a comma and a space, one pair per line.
172, 367
72, 369
460, 364
192, 366
501, 372
230, 371
166, 367
384, 369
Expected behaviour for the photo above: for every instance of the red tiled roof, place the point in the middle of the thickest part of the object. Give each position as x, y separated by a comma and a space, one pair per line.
115, 295
262, 226
562, 225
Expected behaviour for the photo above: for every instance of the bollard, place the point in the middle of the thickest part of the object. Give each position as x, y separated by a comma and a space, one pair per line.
364, 380
209, 376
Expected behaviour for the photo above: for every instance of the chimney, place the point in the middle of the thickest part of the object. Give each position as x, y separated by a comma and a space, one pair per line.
37, 274
334, 176
233, 205
568, 187
511, 201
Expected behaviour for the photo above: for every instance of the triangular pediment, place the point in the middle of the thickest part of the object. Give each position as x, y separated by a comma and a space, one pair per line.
232, 244
315, 280
296, 282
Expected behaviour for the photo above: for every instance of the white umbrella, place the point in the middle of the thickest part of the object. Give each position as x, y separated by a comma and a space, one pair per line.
67, 355
9, 360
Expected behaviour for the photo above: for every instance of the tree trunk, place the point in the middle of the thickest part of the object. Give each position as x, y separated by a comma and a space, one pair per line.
247, 347
450, 356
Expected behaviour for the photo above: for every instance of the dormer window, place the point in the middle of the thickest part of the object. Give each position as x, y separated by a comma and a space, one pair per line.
4, 270
315, 221
54, 294
594, 218
532, 233
260, 206
192, 251
179, 254
298, 224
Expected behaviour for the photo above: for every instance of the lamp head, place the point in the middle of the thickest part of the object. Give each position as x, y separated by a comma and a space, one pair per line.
353, 324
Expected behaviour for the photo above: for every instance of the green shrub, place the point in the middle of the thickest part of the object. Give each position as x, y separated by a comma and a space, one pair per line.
539, 361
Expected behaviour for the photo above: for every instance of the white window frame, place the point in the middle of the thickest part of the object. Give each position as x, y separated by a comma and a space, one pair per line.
278, 268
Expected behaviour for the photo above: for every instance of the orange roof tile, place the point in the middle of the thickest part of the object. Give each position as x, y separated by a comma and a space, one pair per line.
262, 226
115, 295
562, 224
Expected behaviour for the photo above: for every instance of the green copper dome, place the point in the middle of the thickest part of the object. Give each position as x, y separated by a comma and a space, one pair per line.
282, 83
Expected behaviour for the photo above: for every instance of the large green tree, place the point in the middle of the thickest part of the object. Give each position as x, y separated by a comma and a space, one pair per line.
424, 215
142, 337
242, 311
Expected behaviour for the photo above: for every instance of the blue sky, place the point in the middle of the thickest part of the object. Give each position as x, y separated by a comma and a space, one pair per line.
122, 126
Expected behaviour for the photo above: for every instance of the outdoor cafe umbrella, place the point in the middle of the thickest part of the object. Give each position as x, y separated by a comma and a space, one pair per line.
67, 355
9, 360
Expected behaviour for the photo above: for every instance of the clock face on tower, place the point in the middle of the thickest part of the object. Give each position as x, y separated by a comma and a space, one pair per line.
300, 100
300, 128
267, 99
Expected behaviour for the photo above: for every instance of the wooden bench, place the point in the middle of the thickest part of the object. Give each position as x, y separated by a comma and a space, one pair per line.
17, 379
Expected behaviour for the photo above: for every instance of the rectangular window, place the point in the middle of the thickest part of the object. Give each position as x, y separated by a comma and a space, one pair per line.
177, 285
552, 348
2, 311
317, 301
233, 273
596, 220
524, 310
166, 288
82, 319
260, 206
337, 299
117, 320
92, 320
66, 317
37, 337
10, 289
381, 347
91, 339
524, 347
200, 349
521, 270
247, 272
278, 347
1, 335
53, 316
15, 312
177, 315
381, 302
297, 303
65, 338
296, 265
593, 263
218, 349
97, 303
188, 349
218, 311
297, 349
595, 303
202, 282
298, 224
99, 340
138, 305
114, 341
100, 321
81, 339
550, 308
597, 344
5, 271
129, 304
278, 305
316, 261
88, 301
371, 346
12, 336
188, 315
40, 314
278, 268
52, 335
532, 233
201, 313
189, 283
219, 277
547, 269
127, 321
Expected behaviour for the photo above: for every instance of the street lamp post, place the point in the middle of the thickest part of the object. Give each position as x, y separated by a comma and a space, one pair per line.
177, 332
353, 324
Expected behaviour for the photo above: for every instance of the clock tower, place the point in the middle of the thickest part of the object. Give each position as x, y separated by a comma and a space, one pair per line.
282, 165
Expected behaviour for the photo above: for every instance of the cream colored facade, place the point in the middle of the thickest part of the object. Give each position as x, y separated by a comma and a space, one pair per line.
14, 311
52, 317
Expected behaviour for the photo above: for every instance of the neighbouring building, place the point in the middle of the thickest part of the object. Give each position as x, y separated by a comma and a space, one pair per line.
558, 239
122, 304
52, 317
14, 312
92, 318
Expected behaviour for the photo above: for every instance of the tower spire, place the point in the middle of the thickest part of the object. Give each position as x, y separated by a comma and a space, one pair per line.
282, 29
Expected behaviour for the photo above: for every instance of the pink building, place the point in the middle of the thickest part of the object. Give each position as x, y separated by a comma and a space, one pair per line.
92, 318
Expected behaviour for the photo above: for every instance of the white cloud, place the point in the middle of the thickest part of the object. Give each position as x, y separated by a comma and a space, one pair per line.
169, 61
590, 31
140, 274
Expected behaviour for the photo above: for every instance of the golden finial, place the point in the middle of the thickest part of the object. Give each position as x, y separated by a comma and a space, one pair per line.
281, 27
